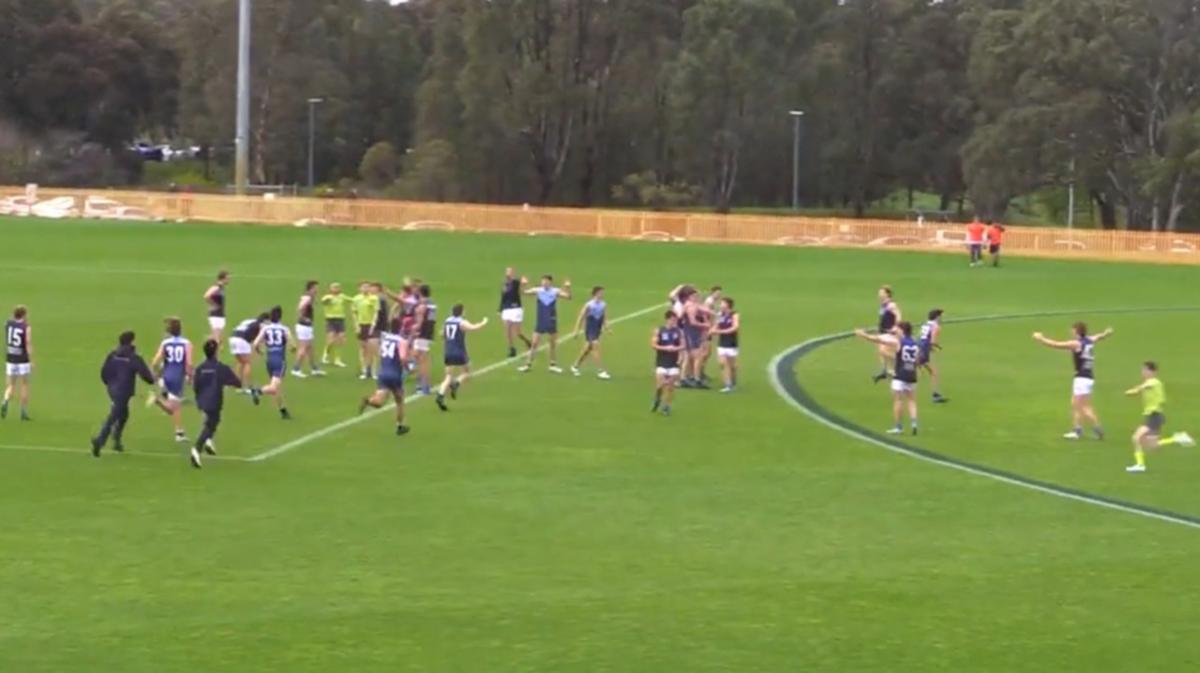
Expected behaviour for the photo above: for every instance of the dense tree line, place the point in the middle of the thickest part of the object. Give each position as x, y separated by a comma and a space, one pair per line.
642, 102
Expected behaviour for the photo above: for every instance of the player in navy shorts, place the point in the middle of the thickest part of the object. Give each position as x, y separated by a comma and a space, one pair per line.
458, 363
889, 316
173, 363
547, 320
214, 298
18, 361
393, 359
593, 323
275, 338
930, 340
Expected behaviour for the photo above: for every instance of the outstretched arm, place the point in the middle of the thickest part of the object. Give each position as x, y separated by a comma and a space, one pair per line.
565, 290
1136, 390
472, 326
1103, 335
1060, 345
873, 338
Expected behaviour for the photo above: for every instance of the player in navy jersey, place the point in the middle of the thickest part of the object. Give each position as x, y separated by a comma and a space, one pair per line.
668, 345
458, 363
592, 323
547, 320
18, 361
930, 340
241, 346
907, 355
1083, 358
274, 337
726, 328
393, 358
511, 312
214, 298
889, 317
210, 378
304, 332
173, 364
696, 321
425, 321
679, 296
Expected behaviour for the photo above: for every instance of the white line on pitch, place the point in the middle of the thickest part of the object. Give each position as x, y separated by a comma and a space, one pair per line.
354, 420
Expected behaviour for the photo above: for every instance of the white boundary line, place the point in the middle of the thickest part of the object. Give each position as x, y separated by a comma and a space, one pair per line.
354, 420
87, 450
174, 273
1078, 497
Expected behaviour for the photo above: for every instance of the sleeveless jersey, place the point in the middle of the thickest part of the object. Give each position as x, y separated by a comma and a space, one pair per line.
510, 294
668, 336
390, 365
456, 339
887, 317
275, 337
725, 321
908, 357
596, 309
927, 331
248, 330
217, 307
429, 323
547, 308
1084, 359
306, 314
174, 351
16, 342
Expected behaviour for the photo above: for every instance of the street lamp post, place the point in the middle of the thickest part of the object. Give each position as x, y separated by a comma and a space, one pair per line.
312, 140
796, 116
242, 140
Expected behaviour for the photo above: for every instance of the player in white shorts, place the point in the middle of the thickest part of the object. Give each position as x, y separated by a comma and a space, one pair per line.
18, 361
242, 349
1083, 357
512, 314
214, 298
905, 351
667, 342
304, 332
726, 330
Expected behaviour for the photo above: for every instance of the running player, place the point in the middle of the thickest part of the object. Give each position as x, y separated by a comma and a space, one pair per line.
1083, 356
667, 342
211, 378
214, 297
594, 314
18, 361
458, 363
904, 382
393, 354
425, 318
304, 332
173, 362
547, 320
335, 304
242, 349
931, 333
889, 315
696, 323
366, 310
275, 336
1148, 434
726, 330
511, 312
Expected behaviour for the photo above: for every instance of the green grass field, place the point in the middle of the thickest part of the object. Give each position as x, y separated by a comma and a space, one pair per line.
550, 523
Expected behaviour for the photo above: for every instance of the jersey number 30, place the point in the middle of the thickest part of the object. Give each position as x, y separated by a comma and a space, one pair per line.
174, 354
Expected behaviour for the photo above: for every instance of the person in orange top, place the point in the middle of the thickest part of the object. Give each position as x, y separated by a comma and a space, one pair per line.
975, 233
995, 235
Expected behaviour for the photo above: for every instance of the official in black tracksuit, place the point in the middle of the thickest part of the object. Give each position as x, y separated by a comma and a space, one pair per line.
210, 379
120, 373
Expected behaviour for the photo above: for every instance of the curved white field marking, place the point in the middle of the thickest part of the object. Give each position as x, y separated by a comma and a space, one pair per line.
794, 394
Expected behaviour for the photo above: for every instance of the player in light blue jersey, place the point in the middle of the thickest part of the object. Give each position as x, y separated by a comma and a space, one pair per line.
592, 323
458, 363
173, 365
393, 361
547, 320
275, 337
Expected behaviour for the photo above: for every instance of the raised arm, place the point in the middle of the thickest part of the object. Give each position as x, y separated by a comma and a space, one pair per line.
471, 327
1103, 335
1060, 345
873, 338
565, 290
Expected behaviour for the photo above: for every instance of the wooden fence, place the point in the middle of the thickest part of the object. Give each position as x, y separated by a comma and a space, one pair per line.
636, 225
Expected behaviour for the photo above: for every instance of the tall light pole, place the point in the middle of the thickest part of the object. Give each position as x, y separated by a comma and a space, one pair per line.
241, 160
796, 115
1071, 189
312, 140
